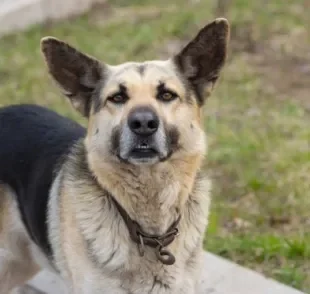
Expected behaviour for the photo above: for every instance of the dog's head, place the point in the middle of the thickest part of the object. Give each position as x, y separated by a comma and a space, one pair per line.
142, 113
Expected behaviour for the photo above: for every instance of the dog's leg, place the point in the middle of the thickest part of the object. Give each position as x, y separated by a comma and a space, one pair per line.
13, 273
16, 264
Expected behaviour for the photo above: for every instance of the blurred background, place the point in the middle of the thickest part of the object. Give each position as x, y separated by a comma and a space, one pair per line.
257, 120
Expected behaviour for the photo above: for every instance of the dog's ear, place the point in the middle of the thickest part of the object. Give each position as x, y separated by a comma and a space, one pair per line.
200, 62
77, 74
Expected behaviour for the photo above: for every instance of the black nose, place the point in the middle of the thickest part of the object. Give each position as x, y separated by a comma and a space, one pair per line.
143, 121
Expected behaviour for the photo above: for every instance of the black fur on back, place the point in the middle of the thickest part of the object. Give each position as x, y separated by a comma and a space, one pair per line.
33, 143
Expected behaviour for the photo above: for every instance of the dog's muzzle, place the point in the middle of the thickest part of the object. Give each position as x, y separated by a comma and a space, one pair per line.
142, 137
143, 122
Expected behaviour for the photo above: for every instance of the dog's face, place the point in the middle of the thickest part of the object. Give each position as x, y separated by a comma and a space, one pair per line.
142, 113
139, 113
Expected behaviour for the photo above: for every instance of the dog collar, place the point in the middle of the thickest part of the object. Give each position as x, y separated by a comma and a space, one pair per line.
159, 242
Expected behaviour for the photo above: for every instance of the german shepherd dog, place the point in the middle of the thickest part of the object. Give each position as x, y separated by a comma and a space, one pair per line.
121, 206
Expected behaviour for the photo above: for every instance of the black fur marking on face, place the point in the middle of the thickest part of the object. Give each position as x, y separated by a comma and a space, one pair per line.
141, 69
190, 91
162, 89
123, 90
115, 140
173, 136
97, 100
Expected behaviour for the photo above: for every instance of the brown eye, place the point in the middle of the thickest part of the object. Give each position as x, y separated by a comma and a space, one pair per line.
118, 98
167, 96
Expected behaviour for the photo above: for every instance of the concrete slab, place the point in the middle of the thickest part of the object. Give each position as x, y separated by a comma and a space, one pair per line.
17, 15
219, 276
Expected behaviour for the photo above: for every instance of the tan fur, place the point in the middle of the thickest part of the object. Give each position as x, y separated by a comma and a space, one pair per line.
142, 191
89, 211
92, 249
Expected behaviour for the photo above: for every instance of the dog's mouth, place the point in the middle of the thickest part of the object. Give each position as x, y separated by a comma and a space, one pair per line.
140, 150
143, 150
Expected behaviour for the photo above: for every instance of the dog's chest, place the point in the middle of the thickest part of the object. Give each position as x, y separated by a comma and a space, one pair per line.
142, 275
123, 270
109, 261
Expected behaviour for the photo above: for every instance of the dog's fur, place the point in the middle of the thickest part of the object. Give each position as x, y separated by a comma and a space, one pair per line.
56, 179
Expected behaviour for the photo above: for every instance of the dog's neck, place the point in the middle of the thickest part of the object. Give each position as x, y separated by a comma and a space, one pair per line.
153, 196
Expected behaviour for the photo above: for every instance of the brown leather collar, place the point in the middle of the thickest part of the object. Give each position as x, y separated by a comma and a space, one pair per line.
155, 241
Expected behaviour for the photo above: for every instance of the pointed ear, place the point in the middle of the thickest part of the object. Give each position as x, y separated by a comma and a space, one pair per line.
201, 61
77, 74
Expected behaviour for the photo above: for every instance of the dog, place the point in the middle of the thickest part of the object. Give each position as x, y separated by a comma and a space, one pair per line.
120, 206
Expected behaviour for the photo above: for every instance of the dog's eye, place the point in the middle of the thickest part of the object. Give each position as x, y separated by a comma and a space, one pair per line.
167, 96
118, 98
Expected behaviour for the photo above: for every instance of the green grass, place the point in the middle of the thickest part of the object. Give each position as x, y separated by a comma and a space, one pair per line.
260, 252
259, 134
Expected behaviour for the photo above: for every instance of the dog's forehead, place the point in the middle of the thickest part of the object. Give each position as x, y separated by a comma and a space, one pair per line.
151, 72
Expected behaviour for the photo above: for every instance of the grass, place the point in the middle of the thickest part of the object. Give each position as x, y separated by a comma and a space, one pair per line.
257, 120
